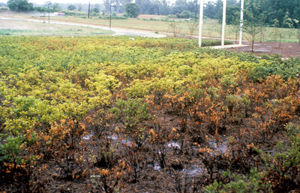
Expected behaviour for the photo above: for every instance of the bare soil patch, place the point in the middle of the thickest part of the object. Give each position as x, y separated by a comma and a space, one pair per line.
284, 49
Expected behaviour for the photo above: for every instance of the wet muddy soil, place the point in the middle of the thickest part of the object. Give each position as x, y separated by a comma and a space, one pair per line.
286, 50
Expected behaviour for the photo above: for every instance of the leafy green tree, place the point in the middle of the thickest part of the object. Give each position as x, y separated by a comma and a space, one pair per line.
210, 10
145, 6
192, 25
71, 7
79, 7
286, 23
184, 14
179, 7
297, 28
277, 9
107, 6
118, 5
234, 21
218, 10
232, 15
96, 10
164, 8
19, 5
232, 3
56, 7
254, 20
40, 9
132, 10
157, 7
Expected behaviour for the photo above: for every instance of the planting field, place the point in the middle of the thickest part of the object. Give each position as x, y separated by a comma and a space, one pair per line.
211, 28
122, 114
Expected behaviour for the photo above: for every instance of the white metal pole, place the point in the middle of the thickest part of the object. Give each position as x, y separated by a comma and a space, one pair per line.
201, 22
241, 21
224, 22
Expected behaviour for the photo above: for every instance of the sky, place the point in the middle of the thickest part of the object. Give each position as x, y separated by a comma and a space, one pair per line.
74, 1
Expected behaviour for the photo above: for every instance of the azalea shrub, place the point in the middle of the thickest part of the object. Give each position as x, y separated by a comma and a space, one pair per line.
126, 114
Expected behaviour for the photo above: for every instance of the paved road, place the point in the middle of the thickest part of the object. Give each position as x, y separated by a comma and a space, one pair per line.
117, 31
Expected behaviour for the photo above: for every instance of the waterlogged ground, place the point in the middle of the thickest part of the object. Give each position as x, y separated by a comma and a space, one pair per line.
187, 170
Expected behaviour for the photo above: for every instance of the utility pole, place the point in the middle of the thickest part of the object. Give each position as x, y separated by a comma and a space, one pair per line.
110, 16
89, 9
196, 8
110, 5
49, 4
224, 22
201, 22
242, 22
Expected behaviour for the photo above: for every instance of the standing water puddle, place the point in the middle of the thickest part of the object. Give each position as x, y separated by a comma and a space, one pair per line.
123, 141
173, 145
219, 148
190, 170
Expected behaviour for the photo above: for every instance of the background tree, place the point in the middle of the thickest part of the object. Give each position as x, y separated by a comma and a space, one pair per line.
277, 9
184, 9
234, 21
96, 10
287, 22
79, 7
145, 6
118, 5
254, 20
298, 31
132, 10
71, 7
19, 5
174, 28
192, 25
56, 7
232, 15
164, 8
210, 10
157, 7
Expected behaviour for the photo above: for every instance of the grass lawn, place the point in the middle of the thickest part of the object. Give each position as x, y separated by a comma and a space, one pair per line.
211, 28
31, 28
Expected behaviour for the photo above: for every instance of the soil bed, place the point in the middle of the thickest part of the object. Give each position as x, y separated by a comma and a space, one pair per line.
287, 50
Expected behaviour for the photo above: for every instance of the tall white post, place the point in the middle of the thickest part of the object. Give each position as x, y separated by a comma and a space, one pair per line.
201, 22
224, 22
241, 21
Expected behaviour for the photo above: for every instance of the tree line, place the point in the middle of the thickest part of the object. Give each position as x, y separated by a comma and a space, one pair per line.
269, 11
